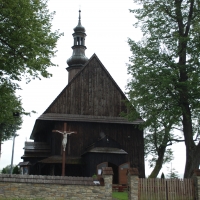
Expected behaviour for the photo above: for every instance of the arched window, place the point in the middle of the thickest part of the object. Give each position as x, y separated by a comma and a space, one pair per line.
78, 41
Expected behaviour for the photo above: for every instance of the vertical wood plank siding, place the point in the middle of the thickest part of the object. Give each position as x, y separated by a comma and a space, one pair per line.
129, 138
91, 92
166, 189
94, 92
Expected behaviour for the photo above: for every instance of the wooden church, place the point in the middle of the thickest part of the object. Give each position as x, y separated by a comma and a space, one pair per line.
90, 104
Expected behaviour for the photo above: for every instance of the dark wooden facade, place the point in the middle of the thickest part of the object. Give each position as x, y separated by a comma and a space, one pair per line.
91, 104
92, 92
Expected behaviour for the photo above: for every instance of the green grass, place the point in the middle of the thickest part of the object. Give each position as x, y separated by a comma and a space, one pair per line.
120, 195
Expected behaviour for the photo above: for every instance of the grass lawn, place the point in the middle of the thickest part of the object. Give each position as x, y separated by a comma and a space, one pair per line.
120, 195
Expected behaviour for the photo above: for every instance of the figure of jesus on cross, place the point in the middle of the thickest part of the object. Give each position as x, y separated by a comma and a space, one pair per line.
65, 133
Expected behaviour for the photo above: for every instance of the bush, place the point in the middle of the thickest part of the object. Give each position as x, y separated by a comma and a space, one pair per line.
16, 170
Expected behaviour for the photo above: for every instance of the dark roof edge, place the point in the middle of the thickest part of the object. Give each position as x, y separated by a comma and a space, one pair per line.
87, 118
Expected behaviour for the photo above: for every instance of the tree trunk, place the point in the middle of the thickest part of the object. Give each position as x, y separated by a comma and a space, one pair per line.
192, 151
159, 162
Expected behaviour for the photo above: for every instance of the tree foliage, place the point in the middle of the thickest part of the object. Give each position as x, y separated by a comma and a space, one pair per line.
16, 170
165, 70
157, 151
26, 41
6, 170
9, 104
27, 45
172, 173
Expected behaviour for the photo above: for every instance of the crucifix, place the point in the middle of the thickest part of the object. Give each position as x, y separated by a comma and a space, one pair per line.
65, 133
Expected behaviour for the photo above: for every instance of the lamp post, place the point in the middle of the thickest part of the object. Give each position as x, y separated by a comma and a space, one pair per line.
11, 166
15, 114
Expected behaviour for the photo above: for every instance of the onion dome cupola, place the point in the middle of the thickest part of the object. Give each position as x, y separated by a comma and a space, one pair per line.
78, 58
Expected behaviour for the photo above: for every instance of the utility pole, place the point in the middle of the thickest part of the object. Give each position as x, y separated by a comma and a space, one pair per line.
11, 166
15, 114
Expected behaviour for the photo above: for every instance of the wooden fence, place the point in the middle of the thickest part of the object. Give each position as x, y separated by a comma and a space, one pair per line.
166, 189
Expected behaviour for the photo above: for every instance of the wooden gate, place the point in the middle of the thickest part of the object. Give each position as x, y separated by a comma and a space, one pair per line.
166, 189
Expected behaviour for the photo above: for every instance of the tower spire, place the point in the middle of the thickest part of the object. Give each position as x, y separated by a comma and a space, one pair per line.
78, 58
79, 18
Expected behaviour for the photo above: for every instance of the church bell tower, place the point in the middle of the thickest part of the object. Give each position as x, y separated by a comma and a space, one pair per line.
78, 58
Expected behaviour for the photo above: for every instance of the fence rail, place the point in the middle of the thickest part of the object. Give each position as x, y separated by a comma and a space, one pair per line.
166, 189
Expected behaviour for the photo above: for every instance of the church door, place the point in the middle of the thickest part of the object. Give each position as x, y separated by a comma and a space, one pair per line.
122, 173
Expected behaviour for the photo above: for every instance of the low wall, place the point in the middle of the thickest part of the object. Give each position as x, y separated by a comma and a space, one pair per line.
133, 181
55, 187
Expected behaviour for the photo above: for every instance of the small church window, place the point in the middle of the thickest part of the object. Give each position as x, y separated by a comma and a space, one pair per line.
78, 41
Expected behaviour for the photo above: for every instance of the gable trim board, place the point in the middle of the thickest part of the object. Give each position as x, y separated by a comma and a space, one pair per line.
87, 118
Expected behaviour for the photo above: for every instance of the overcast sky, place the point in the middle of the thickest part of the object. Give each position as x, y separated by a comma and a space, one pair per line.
108, 25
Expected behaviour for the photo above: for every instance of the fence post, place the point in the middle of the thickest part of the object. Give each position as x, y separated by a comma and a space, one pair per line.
133, 182
107, 174
196, 177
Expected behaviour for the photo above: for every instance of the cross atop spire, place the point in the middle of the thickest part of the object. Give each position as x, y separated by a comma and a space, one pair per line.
79, 27
79, 16
78, 58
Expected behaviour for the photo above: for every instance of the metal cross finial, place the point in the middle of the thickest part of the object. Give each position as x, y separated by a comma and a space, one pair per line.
79, 18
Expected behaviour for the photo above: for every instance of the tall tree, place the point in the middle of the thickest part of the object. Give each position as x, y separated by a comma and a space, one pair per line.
157, 142
158, 134
26, 41
165, 68
27, 45
11, 112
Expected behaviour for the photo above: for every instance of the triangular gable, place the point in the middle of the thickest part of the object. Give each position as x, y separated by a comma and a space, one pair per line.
91, 92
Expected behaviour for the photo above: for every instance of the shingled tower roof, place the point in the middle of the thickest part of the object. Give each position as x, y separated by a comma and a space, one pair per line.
78, 58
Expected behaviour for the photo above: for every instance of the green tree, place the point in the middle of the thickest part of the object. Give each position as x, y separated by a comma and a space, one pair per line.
16, 170
26, 41
9, 105
158, 135
157, 149
27, 45
3, 171
6, 170
165, 69
172, 173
